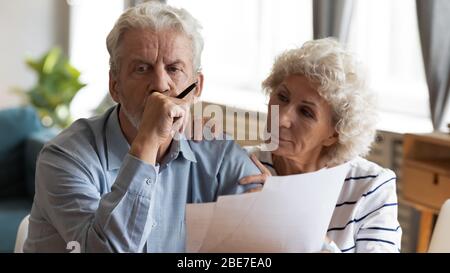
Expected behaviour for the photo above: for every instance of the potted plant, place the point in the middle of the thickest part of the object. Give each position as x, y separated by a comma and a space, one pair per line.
58, 82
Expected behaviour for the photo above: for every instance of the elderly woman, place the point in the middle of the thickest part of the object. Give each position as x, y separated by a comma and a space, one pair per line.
326, 118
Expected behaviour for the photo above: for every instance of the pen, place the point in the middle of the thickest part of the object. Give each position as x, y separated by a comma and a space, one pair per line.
185, 93
187, 90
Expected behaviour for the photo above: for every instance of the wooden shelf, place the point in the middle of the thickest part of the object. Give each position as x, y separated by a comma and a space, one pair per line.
418, 206
440, 139
426, 178
440, 166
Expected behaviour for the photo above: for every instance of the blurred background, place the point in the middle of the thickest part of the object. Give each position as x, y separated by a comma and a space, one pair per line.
54, 58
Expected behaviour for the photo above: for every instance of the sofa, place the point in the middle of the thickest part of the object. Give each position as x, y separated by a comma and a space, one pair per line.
21, 139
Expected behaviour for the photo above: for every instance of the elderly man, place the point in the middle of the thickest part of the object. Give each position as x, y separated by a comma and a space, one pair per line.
119, 182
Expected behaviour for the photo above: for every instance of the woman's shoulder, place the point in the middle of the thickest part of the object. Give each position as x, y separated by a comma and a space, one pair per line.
368, 185
366, 177
361, 167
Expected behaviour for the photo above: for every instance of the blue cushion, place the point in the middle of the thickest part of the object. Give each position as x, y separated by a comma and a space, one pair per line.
11, 214
12, 175
33, 146
16, 125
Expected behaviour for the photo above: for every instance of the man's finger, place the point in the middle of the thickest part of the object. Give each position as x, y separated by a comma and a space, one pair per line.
176, 111
178, 122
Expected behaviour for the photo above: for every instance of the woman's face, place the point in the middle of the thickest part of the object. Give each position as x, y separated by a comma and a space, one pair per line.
305, 120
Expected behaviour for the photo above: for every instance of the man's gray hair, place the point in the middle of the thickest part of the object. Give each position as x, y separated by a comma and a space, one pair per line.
155, 16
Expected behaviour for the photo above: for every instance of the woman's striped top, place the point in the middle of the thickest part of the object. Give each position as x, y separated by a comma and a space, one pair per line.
365, 216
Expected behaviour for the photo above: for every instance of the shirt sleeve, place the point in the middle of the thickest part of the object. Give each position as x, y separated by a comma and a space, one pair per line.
70, 200
380, 230
236, 164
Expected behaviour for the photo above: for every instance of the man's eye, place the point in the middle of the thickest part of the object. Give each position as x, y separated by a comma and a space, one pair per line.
142, 68
173, 69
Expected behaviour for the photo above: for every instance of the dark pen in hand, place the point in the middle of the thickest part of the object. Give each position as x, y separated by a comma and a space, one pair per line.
187, 91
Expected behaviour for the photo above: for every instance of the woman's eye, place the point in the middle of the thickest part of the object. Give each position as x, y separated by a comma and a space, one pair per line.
306, 113
282, 98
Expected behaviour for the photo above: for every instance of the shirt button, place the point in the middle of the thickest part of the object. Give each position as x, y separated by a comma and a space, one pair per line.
154, 224
148, 181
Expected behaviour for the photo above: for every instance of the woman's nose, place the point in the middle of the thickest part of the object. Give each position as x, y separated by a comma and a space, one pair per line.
285, 117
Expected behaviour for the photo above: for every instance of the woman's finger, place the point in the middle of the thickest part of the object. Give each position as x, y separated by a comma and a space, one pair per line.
257, 189
260, 166
253, 179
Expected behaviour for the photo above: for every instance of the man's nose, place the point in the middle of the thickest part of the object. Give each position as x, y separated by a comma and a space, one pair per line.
159, 81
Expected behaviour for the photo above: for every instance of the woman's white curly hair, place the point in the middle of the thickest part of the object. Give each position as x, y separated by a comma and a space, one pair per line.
341, 83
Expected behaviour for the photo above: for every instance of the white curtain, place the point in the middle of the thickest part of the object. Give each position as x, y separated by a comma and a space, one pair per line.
434, 22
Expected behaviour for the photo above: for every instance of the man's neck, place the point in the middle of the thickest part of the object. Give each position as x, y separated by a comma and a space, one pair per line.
130, 132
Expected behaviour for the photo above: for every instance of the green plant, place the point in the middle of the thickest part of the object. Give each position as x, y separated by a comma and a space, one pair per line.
58, 82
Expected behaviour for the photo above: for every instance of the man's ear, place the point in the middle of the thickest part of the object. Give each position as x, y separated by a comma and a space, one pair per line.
199, 88
113, 87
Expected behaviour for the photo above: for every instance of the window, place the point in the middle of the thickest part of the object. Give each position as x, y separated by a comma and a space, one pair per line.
241, 40
243, 37
385, 36
90, 23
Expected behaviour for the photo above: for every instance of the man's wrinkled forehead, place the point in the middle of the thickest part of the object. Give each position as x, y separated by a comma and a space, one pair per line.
170, 44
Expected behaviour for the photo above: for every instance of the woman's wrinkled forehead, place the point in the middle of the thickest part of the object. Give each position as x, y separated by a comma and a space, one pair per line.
301, 87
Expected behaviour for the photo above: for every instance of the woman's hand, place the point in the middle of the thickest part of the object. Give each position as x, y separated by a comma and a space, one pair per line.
256, 179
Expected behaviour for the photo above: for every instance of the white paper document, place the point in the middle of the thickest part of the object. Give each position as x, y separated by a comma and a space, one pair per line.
290, 214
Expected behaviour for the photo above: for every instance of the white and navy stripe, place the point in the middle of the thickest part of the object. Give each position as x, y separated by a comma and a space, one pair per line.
365, 216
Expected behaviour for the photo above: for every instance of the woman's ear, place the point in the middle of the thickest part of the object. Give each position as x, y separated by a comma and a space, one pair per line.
331, 140
199, 88
113, 87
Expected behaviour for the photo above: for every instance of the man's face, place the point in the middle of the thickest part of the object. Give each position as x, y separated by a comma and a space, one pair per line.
151, 62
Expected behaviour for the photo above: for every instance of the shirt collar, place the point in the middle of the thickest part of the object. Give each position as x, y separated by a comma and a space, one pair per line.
116, 144
181, 145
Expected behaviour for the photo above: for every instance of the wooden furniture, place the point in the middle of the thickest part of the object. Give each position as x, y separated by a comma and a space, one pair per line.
426, 178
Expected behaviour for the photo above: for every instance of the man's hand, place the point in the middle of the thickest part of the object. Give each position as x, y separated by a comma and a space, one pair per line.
163, 116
